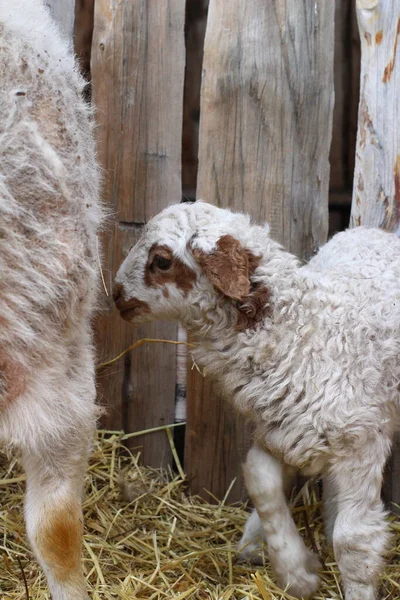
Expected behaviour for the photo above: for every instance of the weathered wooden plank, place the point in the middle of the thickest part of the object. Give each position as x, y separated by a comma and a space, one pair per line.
342, 69
137, 78
63, 12
265, 131
216, 441
267, 99
376, 191
354, 59
83, 33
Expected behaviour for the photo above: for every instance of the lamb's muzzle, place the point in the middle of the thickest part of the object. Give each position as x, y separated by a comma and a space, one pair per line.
310, 353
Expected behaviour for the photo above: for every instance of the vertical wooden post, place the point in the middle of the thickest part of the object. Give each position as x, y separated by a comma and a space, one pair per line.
63, 12
376, 191
137, 78
265, 132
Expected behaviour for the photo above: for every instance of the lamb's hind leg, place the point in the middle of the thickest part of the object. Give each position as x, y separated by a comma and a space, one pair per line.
360, 534
330, 506
54, 517
294, 565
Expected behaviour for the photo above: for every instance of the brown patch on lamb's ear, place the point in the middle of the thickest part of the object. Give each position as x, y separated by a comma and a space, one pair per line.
227, 267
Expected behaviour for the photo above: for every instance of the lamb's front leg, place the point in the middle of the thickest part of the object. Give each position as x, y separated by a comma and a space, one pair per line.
253, 538
294, 565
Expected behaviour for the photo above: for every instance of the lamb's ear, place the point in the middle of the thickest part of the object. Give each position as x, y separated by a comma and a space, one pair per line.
226, 267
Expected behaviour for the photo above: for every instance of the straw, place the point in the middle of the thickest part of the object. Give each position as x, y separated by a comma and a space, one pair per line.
146, 537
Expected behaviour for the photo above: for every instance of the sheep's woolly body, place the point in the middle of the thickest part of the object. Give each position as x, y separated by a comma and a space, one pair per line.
319, 375
49, 216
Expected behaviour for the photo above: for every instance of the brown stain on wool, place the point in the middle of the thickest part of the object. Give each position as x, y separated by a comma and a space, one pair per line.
59, 540
12, 379
387, 74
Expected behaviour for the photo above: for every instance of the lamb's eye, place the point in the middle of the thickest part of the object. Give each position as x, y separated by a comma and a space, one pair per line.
162, 263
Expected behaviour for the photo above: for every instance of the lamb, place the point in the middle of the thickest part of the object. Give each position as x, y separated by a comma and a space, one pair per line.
49, 216
309, 353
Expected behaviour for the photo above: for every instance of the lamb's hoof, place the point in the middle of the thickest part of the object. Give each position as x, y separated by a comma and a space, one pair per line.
303, 585
303, 580
253, 555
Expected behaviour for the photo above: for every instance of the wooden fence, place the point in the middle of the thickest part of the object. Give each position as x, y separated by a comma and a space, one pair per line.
268, 77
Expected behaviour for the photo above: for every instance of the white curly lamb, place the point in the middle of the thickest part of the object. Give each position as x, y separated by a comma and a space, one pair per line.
310, 353
49, 214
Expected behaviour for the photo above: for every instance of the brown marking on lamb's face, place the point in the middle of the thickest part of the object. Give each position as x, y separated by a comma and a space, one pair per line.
59, 540
162, 268
12, 379
131, 308
229, 268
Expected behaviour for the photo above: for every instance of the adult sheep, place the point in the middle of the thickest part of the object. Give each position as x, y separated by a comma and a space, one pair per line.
310, 353
49, 216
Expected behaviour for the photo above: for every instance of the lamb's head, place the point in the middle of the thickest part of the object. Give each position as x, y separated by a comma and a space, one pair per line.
193, 263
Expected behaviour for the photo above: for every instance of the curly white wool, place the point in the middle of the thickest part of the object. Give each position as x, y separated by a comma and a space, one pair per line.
319, 375
49, 216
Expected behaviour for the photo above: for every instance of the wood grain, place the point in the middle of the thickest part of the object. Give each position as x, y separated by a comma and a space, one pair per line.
266, 115
376, 191
137, 77
265, 132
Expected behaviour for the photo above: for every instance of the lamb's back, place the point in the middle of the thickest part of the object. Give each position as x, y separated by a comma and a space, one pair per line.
358, 261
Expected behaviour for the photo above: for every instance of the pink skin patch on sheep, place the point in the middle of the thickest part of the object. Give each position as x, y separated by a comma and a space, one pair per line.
308, 352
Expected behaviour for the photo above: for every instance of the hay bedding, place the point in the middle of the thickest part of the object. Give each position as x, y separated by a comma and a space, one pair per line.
148, 539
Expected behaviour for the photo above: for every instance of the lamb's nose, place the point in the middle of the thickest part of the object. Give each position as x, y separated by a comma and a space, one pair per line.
117, 293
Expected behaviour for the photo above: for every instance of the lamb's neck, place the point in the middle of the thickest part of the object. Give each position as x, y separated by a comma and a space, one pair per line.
230, 355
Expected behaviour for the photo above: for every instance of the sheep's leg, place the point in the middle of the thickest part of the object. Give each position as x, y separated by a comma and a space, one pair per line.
53, 515
360, 535
253, 538
330, 506
294, 565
